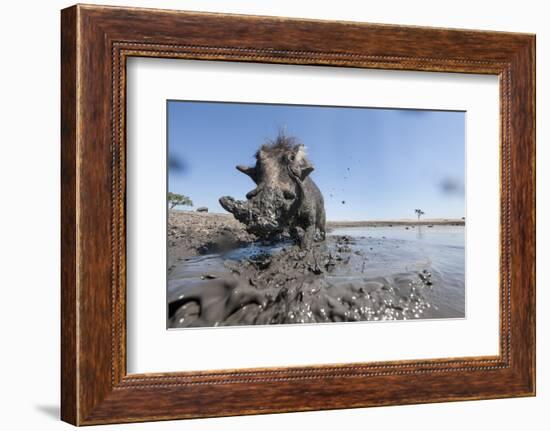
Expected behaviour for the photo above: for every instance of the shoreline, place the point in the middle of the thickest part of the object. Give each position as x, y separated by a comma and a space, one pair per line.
191, 233
341, 223
391, 223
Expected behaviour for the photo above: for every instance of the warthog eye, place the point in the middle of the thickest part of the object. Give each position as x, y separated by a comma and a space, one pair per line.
289, 195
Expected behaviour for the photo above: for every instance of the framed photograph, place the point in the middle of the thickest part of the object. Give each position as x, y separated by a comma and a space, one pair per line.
263, 214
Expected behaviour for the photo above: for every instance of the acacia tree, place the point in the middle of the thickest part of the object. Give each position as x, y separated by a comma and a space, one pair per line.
176, 199
419, 213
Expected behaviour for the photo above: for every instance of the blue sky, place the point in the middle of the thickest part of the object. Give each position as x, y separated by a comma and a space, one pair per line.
370, 164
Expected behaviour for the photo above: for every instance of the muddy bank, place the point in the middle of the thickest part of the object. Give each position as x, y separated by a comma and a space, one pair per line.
328, 283
191, 234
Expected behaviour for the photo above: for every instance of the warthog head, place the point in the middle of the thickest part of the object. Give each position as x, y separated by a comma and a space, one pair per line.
280, 170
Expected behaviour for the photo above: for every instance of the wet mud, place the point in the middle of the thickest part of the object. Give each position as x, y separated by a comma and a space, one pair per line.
332, 281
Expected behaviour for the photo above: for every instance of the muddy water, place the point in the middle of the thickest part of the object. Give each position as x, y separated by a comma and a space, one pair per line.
360, 274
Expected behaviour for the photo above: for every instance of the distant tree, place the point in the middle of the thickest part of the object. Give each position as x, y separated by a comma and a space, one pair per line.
175, 199
419, 213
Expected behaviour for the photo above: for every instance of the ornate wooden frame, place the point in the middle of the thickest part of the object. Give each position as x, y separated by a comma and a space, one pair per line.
95, 43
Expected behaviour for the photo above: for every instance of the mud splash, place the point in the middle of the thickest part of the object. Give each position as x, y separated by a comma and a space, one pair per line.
286, 284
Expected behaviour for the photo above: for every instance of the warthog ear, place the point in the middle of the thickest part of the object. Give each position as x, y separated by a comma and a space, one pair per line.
306, 169
302, 167
250, 171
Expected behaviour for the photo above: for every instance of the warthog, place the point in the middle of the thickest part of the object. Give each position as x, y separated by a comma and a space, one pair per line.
285, 200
